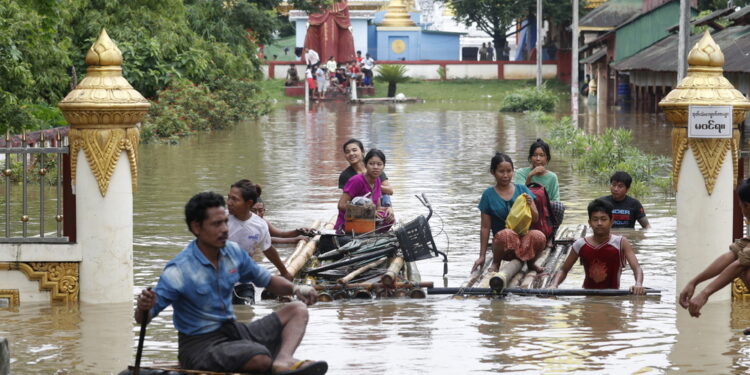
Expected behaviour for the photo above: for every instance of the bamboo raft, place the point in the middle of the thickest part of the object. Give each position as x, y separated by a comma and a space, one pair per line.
514, 277
369, 266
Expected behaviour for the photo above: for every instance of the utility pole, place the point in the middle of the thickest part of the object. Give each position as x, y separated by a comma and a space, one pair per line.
682, 40
574, 67
538, 44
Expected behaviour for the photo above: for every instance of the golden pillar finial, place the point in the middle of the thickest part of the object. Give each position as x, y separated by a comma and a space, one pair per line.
704, 85
396, 15
103, 111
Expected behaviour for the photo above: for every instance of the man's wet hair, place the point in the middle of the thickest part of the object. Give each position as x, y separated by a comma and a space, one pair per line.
249, 190
600, 205
623, 177
198, 205
743, 191
354, 140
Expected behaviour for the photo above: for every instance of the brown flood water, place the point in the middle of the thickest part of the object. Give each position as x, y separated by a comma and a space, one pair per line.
442, 150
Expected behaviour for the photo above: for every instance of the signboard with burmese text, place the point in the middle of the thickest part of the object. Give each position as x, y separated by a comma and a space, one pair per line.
710, 121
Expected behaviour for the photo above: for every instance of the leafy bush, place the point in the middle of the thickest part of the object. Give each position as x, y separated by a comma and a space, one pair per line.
602, 155
185, 107
530, 99
395, 73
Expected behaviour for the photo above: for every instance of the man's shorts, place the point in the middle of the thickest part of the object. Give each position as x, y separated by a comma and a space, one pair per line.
231, 346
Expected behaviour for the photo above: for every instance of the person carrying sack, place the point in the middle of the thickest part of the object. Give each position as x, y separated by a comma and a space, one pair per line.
495, 206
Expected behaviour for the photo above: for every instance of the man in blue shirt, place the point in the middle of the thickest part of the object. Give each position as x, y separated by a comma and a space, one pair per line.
198, 284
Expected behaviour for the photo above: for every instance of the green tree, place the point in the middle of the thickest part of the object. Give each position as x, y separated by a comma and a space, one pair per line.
491, 16
496, 17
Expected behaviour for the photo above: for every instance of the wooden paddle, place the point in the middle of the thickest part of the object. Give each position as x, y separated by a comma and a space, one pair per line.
139, 351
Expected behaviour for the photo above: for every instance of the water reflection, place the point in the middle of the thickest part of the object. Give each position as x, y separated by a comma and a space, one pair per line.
442, 150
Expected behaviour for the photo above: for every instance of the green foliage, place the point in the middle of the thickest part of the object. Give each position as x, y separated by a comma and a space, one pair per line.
185, 107
395, 73
442, 73
602, 155
713, 5
530, 99
199, 40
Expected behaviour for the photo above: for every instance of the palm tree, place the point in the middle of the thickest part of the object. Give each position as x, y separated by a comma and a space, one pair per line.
393, 74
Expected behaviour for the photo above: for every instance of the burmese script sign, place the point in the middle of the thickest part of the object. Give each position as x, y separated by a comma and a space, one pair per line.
710, 121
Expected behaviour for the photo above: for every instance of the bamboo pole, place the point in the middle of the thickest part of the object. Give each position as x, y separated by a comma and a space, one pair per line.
412, 272
346, 279
424, 284
307, 251
530, 276
500, 279
390, 276
300, 245
417, 293
362, 294
516, 280
540, 292
561, 251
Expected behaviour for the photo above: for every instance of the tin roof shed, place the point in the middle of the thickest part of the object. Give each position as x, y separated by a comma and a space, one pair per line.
660, 57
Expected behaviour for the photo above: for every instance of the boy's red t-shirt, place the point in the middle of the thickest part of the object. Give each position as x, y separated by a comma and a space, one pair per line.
602, 263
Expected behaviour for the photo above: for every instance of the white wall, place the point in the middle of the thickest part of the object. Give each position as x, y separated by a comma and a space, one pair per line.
455, 71
359, 32
528, 71
481, 71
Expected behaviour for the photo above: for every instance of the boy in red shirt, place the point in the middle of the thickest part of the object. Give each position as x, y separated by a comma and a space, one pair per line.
602, 254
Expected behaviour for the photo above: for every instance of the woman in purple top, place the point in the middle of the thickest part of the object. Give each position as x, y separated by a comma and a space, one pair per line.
354, 151
361, 184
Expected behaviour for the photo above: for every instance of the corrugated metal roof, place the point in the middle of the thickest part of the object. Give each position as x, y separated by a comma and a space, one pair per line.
661, 56
595, 57
740, 14
611, 13
713, 17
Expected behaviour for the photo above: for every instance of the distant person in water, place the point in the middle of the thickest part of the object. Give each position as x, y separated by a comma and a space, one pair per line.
626, 210
250, 231
732, 264
292, 78
277, 235
495, 206
602, 254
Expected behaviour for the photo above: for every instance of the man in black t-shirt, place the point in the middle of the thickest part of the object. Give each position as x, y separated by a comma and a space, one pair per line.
627, 210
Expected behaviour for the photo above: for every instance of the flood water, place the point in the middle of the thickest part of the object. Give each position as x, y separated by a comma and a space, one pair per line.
442, 150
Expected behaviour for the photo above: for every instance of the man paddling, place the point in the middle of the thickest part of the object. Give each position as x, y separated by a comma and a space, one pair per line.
198, 284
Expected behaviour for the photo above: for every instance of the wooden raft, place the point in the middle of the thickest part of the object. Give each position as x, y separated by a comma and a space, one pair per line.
514, 273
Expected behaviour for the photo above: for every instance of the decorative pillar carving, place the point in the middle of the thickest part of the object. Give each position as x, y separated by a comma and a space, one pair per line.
103, 111
60, 279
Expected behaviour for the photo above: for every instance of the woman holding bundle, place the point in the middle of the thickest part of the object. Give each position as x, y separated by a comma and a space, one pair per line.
495, 206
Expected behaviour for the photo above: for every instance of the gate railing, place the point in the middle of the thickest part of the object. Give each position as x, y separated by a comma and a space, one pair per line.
35, 164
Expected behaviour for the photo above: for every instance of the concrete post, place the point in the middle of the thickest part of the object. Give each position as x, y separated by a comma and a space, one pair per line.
103, 111
704, 169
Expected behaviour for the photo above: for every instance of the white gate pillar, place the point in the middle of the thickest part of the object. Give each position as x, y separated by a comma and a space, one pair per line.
103, 111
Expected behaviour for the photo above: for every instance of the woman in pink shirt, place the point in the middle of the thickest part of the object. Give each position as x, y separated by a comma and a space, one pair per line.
361, 185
